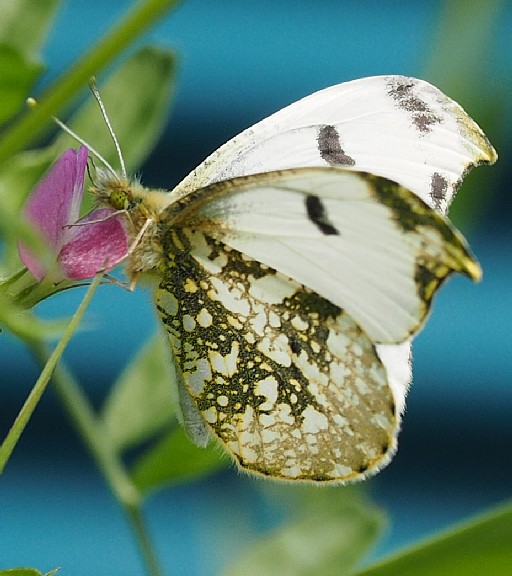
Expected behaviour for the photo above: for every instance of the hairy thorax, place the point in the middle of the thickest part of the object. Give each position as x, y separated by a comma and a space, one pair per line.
142, 210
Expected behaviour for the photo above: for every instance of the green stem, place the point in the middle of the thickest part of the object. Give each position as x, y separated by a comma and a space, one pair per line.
88, 425
91, 430
60, 92
35, 394
21, 289
135, 516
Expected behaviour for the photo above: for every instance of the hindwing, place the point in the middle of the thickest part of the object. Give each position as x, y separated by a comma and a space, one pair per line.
286, 380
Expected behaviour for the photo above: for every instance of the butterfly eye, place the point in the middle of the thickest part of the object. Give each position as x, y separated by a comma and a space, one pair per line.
120, 200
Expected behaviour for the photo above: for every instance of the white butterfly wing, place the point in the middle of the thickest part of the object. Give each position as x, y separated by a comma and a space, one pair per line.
362, 242
393, 126
401, 128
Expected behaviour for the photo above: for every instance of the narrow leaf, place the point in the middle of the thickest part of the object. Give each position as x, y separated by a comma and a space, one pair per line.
17, 76
480, 547
176, 459
26, 572
141, 402
20, 572
26, 325
137, 99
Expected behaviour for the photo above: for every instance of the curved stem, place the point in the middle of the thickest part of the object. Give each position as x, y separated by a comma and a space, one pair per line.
52, 359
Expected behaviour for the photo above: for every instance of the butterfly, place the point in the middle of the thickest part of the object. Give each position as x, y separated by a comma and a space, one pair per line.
296, 263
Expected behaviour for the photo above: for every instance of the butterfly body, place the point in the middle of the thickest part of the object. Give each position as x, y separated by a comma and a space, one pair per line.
295, 264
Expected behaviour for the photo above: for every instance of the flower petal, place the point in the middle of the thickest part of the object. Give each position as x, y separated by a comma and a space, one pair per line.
91, 247
32, 262
55, 203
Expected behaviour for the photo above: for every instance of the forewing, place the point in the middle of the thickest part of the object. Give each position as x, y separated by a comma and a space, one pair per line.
287, 381
398, 127
362, 242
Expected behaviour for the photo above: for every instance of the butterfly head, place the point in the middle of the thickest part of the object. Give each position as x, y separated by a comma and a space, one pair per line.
141, 210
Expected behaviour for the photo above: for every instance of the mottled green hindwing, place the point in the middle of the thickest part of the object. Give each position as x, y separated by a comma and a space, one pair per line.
291, 386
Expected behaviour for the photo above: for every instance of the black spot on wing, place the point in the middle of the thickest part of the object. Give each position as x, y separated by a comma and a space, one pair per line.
316, 213
294, 344
403, 92
438, 189
329, 146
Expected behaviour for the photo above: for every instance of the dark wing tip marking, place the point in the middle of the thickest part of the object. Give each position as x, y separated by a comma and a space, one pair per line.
329, 146
438, 189
402, 90
316, 213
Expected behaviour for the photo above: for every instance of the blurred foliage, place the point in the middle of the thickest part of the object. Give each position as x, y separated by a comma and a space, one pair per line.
18, 76
25, 24
332, 528
141, 409
137, 114
23, 29
137, 120
328, 534
460, 64
175, 459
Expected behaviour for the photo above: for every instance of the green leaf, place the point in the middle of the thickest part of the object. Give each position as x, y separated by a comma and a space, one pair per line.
141, 401
141, 406
24, 24
65, 88
176, 459
26, 325
20, 572
136, 97
329, 536
17, 76
482, 547
23, 28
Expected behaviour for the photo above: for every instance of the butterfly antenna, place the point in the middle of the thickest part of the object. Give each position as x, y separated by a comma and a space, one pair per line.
92, 150
96, 94
32, 102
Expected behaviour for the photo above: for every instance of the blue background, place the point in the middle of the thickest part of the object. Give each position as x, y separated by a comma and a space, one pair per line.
239, 62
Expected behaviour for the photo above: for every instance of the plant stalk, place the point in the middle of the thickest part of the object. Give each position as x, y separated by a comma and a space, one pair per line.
96, 438
51, 361
61, 91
